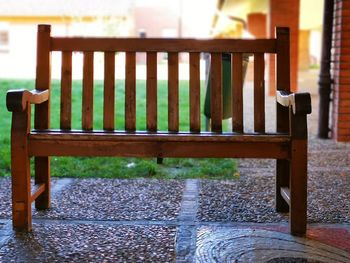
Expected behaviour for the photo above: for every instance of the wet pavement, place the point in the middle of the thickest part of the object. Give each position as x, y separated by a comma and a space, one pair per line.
145, 220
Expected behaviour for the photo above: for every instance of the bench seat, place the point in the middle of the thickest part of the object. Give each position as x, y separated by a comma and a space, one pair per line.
159, 144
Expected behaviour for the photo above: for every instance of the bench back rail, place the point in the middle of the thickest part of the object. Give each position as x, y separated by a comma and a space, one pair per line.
173, 47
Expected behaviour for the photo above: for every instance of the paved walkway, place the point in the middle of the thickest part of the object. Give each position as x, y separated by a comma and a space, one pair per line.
104, 220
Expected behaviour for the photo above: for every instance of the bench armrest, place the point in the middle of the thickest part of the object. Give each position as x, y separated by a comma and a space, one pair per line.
17, 100
300, 102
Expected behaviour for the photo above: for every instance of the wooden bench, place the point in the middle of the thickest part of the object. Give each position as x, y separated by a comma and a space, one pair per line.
288, 145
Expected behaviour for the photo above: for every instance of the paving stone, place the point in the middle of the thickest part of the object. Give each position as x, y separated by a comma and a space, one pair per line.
257, 245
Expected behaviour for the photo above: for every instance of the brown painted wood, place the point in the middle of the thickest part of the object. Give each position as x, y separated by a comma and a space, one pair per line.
237, 92
151, 91
282, 113
298, 187
88, 91
20, 171
163, 45
42, 82
298, 174
109, 91
66, 91
130, 91
18, 100
42, 110
173, 91
285, 194
37, 190
216, 92
299, 102
288, 145
158, 136
259, 93
157, 148
282, 75
195, 121
282, 180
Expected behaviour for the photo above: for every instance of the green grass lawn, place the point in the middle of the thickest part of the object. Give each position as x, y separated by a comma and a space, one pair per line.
112, 167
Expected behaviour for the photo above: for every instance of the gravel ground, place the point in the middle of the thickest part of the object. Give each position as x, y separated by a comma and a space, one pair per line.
251, 199
111, 199
91, 243
248, 199
5, 197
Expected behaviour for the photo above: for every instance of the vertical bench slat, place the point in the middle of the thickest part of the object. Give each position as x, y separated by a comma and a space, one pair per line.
109, 91
259, 93
88, 92
42, 111
194, 92
237, 92
216, 92
130, 91
66, 91
173, 92
151, 96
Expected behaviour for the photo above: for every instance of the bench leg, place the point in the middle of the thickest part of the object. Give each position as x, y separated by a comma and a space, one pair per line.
20, 172
21, 203
42, 176
298, 188
282, 180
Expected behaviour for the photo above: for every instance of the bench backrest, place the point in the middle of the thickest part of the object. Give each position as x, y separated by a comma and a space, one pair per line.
109, 46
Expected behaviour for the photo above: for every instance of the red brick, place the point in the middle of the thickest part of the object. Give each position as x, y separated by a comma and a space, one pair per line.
344, 110
345, 95
344, 81
344, 103
344, 125
257, 24
343, 139
344, 118
341, 73
343, 132
285, 13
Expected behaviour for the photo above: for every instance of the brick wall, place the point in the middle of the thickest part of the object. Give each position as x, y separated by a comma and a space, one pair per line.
304, 50
257, 24
285, 13
341, 71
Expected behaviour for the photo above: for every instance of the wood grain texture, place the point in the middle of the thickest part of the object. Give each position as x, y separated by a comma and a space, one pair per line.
158, 136
43, 75
163, 45
237, 92
42, 110
151, 91
109, 91
288, 145
282, 75
19, 100
130, 91
259, 93
216, 92
173, 91
20, 171
195, 121
88, 91
282, 180
37, 190
66, 91
298, 187
157, 146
